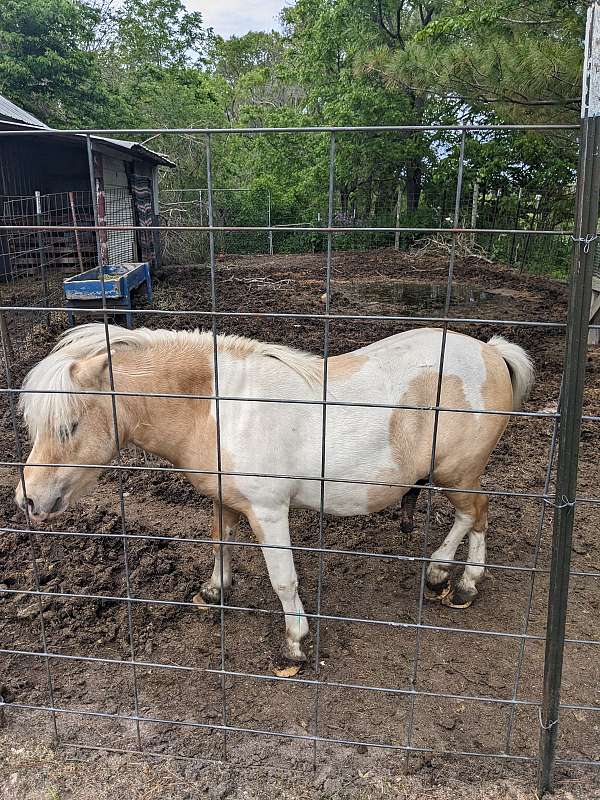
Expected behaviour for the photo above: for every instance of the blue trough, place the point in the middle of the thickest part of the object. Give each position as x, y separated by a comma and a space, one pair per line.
85, 289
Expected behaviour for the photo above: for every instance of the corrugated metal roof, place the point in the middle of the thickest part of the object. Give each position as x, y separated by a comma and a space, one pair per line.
136, 149
12, 112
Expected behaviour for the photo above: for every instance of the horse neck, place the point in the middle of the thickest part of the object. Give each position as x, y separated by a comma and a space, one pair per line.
169, 427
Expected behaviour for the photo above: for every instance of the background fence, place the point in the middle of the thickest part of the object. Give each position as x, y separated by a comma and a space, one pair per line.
495, 210
122, 602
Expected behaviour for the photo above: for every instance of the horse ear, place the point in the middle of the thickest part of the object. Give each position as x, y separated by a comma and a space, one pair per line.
90, 372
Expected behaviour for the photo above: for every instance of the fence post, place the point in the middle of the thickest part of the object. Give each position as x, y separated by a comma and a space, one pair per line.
398, 204
474, 208
269, 222
533, 226
42, 248
515, 226
494, 216
586, 219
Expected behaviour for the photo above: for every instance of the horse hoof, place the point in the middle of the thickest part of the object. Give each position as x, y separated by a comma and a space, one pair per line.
286, 671
457, 599
437, 591
289, 662
407, 526
211, 594
289, 656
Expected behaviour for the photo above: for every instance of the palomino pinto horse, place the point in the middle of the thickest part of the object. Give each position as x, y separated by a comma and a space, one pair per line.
381, 446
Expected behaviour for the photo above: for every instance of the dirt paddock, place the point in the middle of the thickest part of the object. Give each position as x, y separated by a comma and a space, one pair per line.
383, 590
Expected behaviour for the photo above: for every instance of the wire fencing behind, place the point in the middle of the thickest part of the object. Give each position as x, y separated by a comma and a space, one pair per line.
183, 208
492, 210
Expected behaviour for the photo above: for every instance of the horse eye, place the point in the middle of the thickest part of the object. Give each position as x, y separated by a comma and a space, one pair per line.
65, 433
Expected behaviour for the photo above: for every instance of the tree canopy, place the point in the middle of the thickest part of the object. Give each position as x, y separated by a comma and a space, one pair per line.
153, 63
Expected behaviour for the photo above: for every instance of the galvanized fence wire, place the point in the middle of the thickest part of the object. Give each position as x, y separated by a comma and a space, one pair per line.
185, 206
214, 303
117, 438
34, 263
432, 462
583, 240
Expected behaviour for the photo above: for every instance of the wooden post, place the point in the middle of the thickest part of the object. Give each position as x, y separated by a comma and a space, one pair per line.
77, 242
533, 224
515, 226
5, 337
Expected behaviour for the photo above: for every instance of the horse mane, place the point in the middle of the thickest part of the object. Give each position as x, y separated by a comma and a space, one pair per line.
51, 399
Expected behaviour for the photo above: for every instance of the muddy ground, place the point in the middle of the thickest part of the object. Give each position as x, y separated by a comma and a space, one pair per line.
377, 655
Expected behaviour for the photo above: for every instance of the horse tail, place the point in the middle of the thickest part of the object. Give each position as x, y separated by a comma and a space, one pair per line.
520, 367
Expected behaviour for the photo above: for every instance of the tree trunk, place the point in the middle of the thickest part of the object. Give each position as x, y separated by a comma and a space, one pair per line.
344, 196
414, 176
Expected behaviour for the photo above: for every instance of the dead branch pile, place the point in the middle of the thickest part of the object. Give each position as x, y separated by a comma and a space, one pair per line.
440, 244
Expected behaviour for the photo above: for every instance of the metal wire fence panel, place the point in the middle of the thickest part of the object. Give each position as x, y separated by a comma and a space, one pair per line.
130, 643
184, 208
122, 246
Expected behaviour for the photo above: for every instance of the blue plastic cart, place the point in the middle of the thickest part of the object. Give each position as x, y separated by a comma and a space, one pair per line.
85, 289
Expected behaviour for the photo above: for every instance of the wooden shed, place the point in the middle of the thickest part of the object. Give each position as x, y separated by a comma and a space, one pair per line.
47, 180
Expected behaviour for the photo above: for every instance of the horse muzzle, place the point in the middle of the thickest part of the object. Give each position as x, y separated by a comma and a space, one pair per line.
41, 510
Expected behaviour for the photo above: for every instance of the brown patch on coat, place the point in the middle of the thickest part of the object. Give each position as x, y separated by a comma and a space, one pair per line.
345, 366
191, 443
464, 441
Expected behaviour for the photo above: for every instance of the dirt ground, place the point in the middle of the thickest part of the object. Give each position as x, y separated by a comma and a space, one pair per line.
378, 655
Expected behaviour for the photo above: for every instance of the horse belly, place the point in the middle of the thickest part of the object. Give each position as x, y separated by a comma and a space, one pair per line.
361, 475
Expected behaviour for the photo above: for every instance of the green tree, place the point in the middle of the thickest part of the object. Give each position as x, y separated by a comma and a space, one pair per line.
46, 64
519, 60
253, 70
159, 33
153, 62
328, 44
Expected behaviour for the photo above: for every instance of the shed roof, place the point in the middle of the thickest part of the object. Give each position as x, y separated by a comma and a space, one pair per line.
12, 117
13, 113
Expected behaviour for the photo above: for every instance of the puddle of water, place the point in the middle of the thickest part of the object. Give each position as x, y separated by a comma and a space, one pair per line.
417, 295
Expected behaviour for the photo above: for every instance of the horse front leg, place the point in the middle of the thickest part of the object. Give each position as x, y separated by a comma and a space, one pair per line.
211, 589
271, 528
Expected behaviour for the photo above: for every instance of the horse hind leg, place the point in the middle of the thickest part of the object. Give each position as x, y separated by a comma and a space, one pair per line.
407, 508
471, 517
465, 590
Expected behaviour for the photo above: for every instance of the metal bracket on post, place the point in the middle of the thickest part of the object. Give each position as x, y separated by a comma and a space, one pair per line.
586, 219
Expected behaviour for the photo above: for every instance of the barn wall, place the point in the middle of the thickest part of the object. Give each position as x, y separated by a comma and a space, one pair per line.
52, 166
122, 245
30, 164
36, 163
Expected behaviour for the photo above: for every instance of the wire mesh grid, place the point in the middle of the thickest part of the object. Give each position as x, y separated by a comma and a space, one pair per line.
184, 207
534, 712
